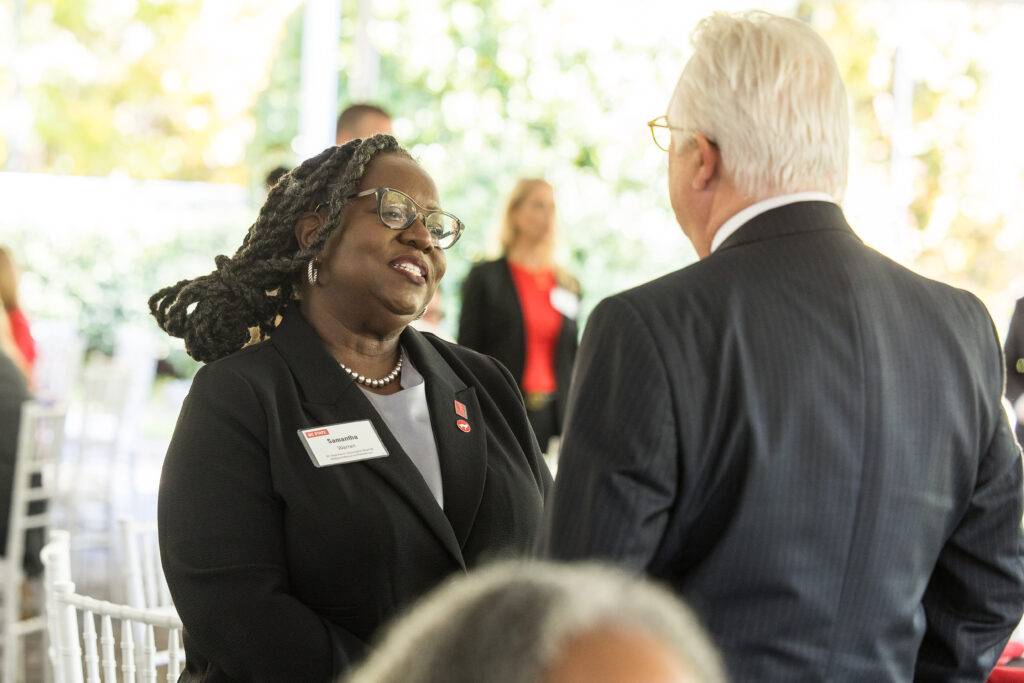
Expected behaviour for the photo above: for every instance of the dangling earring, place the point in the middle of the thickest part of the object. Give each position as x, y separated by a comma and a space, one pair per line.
422, 313
312, 273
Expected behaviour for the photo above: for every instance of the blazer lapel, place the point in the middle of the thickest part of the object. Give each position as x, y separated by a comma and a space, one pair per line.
331, 397
461, 438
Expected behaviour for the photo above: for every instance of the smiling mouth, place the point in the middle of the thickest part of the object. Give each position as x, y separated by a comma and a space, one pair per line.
415, 272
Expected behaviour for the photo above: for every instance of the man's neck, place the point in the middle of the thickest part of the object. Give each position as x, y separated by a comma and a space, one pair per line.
724, 206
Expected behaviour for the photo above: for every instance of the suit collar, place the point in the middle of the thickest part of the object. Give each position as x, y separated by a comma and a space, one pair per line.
316, 372
330, 397
790, 219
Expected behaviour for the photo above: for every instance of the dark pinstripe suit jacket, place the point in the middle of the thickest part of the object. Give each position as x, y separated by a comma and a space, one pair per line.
806, 441
1015, 361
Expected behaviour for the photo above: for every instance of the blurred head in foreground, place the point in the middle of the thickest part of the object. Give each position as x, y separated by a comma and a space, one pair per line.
533, 622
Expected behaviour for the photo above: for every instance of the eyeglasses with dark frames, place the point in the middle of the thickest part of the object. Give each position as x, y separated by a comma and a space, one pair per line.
398, 211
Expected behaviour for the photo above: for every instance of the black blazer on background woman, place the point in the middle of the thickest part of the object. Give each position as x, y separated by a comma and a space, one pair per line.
491, 322
283, 571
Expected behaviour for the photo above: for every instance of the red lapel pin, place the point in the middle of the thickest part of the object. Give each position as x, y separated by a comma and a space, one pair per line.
460, 409
463, 425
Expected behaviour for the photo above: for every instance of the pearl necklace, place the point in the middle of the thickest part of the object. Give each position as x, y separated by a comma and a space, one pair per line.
374, 383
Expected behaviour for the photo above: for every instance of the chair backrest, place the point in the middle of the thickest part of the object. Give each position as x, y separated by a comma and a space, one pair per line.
142, 574
104, 403
40, 440
90, 654
142, 577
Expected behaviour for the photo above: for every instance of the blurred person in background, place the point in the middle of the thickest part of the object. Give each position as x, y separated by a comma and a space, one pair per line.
14, 392
522, 307
537, 622
362, 121
273, 176
805, 439
24, 351
1014, 350
320, 481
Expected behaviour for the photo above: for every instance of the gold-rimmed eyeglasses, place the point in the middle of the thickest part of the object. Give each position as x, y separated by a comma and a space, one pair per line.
661, 131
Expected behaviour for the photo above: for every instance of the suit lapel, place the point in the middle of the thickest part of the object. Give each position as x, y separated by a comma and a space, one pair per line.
331, 397
461, 450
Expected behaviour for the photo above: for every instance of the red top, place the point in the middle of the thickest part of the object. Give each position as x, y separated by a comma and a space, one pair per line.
22, 337
542, 323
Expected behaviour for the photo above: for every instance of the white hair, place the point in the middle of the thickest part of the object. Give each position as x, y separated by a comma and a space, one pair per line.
508, 622
766, 90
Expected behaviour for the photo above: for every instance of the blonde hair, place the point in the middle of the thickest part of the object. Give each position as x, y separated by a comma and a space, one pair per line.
8, 279
508, 234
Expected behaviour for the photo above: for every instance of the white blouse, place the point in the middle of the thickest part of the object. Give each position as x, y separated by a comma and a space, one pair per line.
407, 416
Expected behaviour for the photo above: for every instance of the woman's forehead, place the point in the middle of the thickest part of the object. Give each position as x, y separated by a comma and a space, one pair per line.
401, 173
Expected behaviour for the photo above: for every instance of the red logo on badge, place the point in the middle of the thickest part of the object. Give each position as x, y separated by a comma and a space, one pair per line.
460, 409
463, 425
316, 432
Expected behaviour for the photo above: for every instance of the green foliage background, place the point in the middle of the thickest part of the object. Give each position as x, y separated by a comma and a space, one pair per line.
484, 92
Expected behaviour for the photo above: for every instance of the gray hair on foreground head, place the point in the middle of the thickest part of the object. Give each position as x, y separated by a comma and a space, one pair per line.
767, 91
508, 623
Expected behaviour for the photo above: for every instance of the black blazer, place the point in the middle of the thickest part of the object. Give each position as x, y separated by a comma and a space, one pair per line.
282, 571
1015, 361
491, 322
806, 441
13, 393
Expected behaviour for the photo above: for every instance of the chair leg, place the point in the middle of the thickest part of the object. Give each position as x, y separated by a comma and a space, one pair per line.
10, 638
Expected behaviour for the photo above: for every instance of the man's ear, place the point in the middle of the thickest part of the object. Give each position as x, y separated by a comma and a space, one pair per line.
307, 226
710, 161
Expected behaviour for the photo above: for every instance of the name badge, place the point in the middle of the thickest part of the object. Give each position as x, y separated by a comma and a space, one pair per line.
342, 443
565, 302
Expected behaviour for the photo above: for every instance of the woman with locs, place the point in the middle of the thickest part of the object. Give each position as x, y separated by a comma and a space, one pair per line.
321, 480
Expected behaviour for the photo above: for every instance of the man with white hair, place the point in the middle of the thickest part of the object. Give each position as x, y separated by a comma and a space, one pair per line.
803, 438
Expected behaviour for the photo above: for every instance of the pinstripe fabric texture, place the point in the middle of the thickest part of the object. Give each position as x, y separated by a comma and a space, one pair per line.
1015, 361
806, 441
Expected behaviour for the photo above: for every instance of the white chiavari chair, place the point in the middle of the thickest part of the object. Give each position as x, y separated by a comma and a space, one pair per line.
142, 574
40, 440
86, 647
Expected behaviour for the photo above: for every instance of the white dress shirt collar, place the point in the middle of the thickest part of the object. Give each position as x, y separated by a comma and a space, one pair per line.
744, 216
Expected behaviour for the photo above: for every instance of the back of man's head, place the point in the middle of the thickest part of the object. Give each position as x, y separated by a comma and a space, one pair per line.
767, 91
362, 121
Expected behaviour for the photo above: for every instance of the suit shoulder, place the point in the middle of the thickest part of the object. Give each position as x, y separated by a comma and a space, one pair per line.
487, 269
248, 365
955, 300
690, 279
